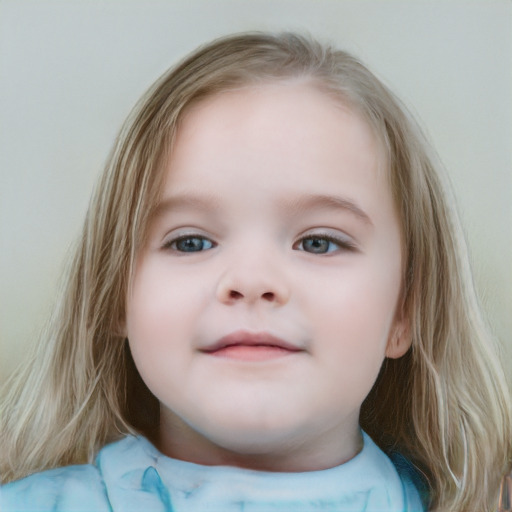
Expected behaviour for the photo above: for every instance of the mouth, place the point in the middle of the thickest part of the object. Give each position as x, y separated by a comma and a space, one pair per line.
247, 346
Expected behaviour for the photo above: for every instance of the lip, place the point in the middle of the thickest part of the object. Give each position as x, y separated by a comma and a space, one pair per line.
251, 346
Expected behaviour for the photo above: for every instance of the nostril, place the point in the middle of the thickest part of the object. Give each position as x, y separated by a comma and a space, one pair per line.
235, 295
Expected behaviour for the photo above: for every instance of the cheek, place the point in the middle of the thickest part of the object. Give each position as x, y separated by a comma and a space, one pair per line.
161, 314
354, 315
160, 299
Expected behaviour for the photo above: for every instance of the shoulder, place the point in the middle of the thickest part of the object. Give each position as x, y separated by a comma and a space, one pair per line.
399, 474
71, 488
110, 483
413, 480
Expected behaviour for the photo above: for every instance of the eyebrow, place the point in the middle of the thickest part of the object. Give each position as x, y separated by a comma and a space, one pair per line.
206, 203
327, 202
209, 204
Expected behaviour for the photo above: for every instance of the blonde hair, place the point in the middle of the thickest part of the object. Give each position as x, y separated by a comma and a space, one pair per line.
444, 405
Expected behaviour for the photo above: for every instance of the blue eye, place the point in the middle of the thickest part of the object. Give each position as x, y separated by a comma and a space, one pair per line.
323, 244
190, 243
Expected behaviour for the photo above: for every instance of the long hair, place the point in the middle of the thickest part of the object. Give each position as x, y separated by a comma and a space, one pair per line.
444, 405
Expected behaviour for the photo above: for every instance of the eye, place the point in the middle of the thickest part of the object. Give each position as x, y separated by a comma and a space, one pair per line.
323, 244
189, 243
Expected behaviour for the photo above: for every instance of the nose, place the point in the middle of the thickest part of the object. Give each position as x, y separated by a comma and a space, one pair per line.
253, 284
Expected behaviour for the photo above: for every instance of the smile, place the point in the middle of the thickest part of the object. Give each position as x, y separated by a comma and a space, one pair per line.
246, 346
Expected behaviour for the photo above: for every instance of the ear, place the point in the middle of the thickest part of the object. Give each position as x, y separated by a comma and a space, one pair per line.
400, 339
120, 328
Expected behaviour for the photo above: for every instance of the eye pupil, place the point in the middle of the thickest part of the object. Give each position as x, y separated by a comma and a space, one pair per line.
190, 244
316, 245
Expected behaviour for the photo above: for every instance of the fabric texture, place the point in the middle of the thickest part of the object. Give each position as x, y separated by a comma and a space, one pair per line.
132, 475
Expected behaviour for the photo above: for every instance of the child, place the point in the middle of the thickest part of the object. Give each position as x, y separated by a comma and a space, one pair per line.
269, 309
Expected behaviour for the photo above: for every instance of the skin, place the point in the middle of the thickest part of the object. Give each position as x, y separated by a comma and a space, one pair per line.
246, 184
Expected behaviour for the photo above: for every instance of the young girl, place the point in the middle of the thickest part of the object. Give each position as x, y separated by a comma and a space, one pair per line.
270, 308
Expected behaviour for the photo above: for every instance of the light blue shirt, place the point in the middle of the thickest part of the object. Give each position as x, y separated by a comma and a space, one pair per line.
132, 475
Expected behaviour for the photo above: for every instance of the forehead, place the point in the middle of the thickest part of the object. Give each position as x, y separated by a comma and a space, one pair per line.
289, 138
286, 119
308, 94
304, 97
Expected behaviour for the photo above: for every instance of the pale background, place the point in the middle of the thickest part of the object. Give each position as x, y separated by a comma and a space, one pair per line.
71, 70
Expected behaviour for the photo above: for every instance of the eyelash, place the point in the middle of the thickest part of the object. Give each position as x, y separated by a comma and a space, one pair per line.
173, 243
341, 243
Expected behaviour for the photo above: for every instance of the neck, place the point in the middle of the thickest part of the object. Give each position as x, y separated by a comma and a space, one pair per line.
327, 450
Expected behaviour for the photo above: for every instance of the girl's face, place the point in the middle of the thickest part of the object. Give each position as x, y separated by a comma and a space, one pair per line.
266, 298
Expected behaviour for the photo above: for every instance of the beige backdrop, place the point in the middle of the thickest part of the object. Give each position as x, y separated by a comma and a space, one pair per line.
71, 70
